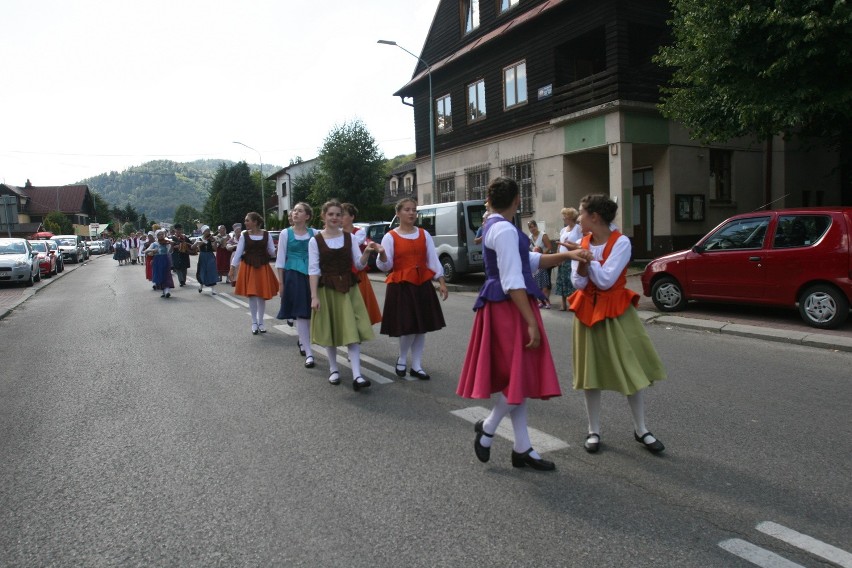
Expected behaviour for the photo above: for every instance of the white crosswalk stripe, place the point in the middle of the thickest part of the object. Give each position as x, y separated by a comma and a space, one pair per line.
756, 555
767, 559
540, 441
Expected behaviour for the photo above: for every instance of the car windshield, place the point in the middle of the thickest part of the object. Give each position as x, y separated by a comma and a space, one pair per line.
67, 242
39, 246
51, 245
12, 248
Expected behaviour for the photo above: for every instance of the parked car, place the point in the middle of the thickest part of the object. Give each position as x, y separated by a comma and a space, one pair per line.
71, 247
46, 259
453, 227
778, 258
54, 248
375, 233
96, 247
18, 262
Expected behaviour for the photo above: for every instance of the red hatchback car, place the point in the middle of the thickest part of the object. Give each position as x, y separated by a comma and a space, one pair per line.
779, 258
46, 258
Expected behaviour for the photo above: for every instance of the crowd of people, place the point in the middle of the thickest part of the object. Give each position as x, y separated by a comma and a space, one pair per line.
320, 278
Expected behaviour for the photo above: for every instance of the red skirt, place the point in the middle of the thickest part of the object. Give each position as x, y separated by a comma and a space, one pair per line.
149, 267
497, 360
369, 296
223, 261
260, 282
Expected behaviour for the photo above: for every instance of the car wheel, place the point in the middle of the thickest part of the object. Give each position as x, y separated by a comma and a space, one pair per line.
667, 295
450, 274
823, 306
30, 282
38, 275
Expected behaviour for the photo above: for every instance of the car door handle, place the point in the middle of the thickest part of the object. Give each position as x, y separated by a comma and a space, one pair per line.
754, 258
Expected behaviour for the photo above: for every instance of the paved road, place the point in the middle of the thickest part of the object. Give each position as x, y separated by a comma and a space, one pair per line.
161, 432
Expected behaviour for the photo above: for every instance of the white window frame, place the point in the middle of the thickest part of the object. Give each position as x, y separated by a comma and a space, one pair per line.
519, 92
470, 15
441, 111
477, 89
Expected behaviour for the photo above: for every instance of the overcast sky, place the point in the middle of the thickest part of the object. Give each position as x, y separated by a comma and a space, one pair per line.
90, 86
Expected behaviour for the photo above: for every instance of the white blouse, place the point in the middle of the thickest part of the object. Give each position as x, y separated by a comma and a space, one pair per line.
283, 239
503, 239
603, 276
335, 243
432, 260
241, 247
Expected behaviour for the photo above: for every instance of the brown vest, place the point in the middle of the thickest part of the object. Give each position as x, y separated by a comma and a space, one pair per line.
336, 264
255, 253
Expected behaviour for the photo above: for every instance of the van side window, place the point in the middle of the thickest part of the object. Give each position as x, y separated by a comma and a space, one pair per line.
800, 230
426, 220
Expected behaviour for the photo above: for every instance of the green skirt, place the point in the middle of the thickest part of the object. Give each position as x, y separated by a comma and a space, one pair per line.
615, 354
342, 318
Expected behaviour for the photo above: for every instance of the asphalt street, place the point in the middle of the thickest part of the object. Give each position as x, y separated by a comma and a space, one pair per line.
136, 430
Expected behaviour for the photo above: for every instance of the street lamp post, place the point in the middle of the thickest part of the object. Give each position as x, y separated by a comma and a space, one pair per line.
431, 109
262, 196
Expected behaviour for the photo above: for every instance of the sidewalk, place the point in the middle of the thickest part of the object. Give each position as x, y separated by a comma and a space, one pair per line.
783, 326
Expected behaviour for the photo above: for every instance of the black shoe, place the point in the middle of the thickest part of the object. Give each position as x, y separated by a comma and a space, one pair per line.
521, 460
590, 446
334, 378
254, 329
182, 284
168, 294
309, 362
400, 372
421, 374
261, 328
482, 453
360, 384
654, 447
301, 350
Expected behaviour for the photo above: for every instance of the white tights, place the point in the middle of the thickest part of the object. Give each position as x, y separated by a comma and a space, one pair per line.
519, 424
257, 308
354, 352
635, 401
303, 327
416, 343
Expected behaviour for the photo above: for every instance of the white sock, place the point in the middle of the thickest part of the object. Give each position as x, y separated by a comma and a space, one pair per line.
354, 351
405, 342
303, 327
331, 353
593, 409
417, 351
253, 308
261, 310
519, 425
636, 401
500, 410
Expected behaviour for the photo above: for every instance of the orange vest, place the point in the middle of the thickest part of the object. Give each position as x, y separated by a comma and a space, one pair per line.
591, 304
409, 260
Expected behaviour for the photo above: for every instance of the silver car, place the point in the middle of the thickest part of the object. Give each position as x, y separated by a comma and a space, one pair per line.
18, 262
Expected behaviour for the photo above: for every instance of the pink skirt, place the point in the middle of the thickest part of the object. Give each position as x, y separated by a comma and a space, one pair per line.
497, 360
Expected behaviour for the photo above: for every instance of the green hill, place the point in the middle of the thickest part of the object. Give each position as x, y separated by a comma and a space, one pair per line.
156, 188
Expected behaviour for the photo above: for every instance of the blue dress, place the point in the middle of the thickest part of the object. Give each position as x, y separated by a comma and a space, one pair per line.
296, 301
207, 273
161, 270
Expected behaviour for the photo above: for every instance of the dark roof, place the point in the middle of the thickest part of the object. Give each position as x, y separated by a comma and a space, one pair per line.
406, 167
65, 198
478, 42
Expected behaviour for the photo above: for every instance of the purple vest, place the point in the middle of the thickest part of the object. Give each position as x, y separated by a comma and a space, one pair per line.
492, 291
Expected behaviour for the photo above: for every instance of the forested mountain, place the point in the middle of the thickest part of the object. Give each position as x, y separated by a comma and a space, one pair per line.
158, 187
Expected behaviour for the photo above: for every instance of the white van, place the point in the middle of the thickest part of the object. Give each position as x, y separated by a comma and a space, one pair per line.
453, 227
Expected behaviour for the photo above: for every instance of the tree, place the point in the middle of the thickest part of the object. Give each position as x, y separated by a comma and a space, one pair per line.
130, 213
58, 224
351, 167
303, 186
187, 216
143, 223
239, 195
212, 212
127, 228
102, 209
761, 68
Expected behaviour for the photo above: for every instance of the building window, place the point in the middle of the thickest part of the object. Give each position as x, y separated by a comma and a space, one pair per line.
515, 84
477, 184
470, 15
476, 101
720, 175
409, 184
521, 172
444, 114
446, 189
507, 4
393, 189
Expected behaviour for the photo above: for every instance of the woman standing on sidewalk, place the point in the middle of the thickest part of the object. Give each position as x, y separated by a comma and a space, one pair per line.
412, 308
508, 352
256, 279
295, 288
569, 237
339, 315
612, 350
541, 244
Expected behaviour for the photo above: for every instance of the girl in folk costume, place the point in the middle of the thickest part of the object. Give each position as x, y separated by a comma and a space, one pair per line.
231, 247
411, 305
508, 351
612, 350
295, 288
256, 279
149, 260
360, 236
161, 270
223, 255
569, 238
206, 247
340, 317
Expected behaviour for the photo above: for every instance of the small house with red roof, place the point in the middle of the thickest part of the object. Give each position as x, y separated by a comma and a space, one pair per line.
24, 208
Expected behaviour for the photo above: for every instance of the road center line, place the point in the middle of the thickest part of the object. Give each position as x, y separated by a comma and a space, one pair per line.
540, 441
806, 543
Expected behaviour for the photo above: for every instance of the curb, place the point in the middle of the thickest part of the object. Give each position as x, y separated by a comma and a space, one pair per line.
30, 292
